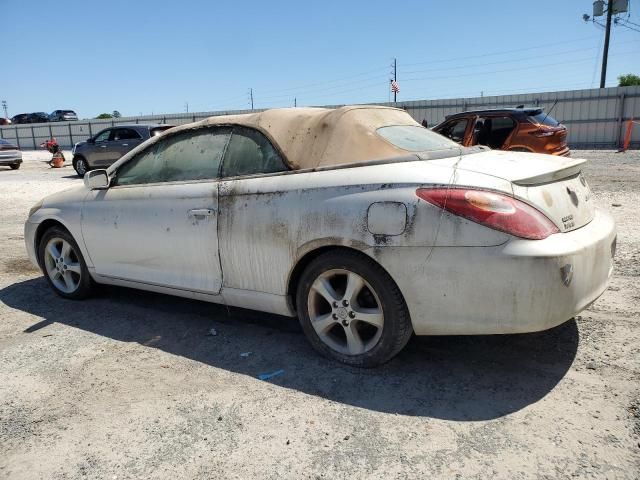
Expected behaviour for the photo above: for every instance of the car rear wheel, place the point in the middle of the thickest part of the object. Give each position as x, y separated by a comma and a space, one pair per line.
14, 166
80, 165
351, 310
63, 264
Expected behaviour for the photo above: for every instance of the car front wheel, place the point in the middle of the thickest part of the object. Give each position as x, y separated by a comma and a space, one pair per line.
14, 166
63, 264
351, 310
80, 165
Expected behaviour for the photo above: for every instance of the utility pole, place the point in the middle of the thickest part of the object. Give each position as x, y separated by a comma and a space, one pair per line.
605, 53
395, 78
251, 97
4, 107
295, 102
186, 107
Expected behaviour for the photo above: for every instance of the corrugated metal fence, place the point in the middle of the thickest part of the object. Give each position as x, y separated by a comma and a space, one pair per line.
595, 118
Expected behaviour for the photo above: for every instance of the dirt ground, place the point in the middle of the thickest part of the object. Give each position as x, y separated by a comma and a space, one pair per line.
130, 384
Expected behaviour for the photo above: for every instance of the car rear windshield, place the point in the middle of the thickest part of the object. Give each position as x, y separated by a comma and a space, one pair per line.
158, 130
68, 112
544, 119
415, 138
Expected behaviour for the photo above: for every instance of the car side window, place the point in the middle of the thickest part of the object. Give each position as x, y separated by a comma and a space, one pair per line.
249, 153
126, 134
190, 155
455, 130
103, 137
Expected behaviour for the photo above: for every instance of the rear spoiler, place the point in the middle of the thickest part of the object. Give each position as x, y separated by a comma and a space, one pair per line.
574, 167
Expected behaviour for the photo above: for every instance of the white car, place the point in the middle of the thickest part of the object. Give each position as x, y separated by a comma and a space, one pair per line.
358, 220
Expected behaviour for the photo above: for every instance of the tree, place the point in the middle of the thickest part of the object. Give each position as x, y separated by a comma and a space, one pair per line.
628, 80
116, 114
104, 115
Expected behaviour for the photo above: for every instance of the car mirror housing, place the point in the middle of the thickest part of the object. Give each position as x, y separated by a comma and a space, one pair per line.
96, 179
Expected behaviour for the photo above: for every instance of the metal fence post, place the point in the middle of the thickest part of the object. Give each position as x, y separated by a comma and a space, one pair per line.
1, 134
17, 138
620, 121
90, 131
50, 132
33, 137
70, 134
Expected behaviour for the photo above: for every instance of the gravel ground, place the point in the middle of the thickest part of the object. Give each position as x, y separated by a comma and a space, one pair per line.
130, 385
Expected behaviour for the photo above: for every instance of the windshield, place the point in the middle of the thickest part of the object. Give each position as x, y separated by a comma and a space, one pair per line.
415, 138
543, 119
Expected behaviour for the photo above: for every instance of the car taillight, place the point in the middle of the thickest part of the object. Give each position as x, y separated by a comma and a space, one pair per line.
493, 210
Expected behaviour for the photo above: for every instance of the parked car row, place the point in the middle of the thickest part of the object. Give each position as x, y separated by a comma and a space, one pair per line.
42, 117
357, 220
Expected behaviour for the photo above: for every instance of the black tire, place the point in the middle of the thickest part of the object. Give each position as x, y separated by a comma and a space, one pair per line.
396, 330
14, 166
78, 162
85, 283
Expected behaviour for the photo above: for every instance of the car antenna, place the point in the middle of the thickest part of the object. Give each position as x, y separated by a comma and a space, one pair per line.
547, 114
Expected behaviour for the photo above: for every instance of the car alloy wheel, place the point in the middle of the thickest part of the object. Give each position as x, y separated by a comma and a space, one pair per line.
351, 310
81, 166
62, 265
345, 311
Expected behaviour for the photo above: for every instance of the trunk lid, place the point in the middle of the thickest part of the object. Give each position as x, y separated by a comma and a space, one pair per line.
552, 184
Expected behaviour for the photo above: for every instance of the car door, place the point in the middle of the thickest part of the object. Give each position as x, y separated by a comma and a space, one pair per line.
101, 150
157, 223
455, 130
124, 140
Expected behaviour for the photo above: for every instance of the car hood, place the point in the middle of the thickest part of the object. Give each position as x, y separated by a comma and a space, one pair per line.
71, 195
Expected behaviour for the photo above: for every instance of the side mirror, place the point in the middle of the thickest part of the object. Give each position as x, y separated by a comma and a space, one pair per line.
96, 180
90, 140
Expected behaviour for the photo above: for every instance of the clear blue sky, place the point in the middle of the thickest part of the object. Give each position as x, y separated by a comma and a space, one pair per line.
140, 56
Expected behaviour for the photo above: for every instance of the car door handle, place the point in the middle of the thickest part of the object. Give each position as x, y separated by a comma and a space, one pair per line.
202, 212
125, 144
103, 146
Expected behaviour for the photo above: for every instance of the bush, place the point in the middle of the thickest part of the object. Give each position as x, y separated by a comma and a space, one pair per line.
104, 115
628, 80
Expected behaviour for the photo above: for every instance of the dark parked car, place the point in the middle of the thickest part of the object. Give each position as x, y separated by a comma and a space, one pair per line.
10, 155
516, 129
63, 116
110, 144
37, 117
5, 121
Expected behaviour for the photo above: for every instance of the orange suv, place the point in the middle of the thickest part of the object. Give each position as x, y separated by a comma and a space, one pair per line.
517, 129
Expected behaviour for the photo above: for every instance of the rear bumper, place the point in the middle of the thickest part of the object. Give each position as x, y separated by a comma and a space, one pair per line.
516, 287
10, 160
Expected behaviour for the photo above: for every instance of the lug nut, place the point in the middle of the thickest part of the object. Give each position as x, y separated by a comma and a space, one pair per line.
335, 304
335, 317
345, 302
352, 315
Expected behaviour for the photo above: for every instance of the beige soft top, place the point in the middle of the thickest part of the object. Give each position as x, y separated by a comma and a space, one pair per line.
314, 137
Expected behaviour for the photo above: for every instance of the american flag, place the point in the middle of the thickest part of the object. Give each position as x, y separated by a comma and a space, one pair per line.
395, 88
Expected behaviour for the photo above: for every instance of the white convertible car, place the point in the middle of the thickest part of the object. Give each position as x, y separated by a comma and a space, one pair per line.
361, 222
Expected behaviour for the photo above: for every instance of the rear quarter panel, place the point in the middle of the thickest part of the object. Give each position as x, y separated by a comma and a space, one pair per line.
266, 224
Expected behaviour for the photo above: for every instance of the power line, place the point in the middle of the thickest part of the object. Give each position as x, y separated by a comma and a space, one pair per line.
554, 44
491, 72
